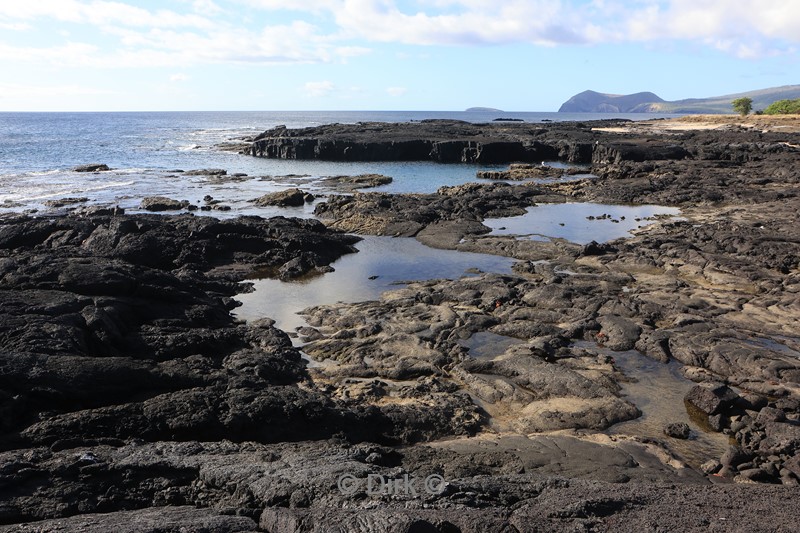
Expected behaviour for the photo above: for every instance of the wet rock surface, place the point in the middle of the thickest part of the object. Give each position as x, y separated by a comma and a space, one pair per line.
287, 198
61, 202
678, 430
91, 167
131, 400
526, 171
414, 333
162, 203
354, 183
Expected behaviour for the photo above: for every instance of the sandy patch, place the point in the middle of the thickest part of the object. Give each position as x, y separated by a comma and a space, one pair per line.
764, 123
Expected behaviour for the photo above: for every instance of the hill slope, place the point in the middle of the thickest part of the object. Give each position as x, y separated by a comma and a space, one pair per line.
647, 102
594, 102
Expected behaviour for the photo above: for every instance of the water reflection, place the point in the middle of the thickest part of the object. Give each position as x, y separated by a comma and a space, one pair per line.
579, 222
487, 345
380, 264
658, 389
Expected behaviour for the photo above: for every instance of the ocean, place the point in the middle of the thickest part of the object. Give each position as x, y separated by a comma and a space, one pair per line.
39, 150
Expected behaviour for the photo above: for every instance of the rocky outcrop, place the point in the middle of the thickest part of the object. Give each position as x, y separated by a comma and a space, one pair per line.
460, 207
288, 198
162, 203
448, 141
354, 183
92, 167
119, 328
118, 352
61, 202
444, 141
768, 434
522, 171
617, 152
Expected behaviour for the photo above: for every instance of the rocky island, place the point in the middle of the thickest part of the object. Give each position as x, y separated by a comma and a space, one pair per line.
133, 400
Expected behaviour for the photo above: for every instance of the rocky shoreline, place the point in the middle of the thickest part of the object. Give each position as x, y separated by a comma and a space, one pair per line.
132, 399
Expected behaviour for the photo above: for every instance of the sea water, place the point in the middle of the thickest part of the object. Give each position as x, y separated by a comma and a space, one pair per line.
38, 151
580, 222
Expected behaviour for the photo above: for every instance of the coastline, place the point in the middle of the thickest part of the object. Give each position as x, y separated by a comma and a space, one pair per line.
520, 439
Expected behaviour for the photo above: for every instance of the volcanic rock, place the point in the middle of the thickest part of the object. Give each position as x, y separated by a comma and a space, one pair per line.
678, 430
287, 198
711, 399
162, 203
92, 167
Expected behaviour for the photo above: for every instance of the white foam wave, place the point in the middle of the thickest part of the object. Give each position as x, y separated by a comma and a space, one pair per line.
45, 172
34, 194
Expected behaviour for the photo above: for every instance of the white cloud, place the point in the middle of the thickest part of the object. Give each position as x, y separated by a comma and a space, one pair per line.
178, 77
396, 91
472, 22
318, 89
274, 32
298, 42
746, 28
755, 27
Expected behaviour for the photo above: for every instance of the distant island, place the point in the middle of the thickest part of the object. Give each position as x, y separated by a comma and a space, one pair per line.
483, 109
647, 102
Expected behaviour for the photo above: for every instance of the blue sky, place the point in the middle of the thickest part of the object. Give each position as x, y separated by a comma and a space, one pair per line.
515, 55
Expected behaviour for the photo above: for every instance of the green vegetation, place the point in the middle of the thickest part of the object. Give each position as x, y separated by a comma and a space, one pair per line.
743, 106
783, 107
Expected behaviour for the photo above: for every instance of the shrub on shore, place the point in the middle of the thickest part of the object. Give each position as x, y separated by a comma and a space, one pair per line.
783, 107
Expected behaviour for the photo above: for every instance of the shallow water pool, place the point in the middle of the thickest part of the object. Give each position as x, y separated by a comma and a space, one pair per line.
580, 223
658, 389
381, 264
487, 345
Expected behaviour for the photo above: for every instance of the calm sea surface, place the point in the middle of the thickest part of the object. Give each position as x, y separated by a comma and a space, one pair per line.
38, 151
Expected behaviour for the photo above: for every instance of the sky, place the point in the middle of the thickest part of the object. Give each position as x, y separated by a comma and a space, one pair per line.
514, 55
